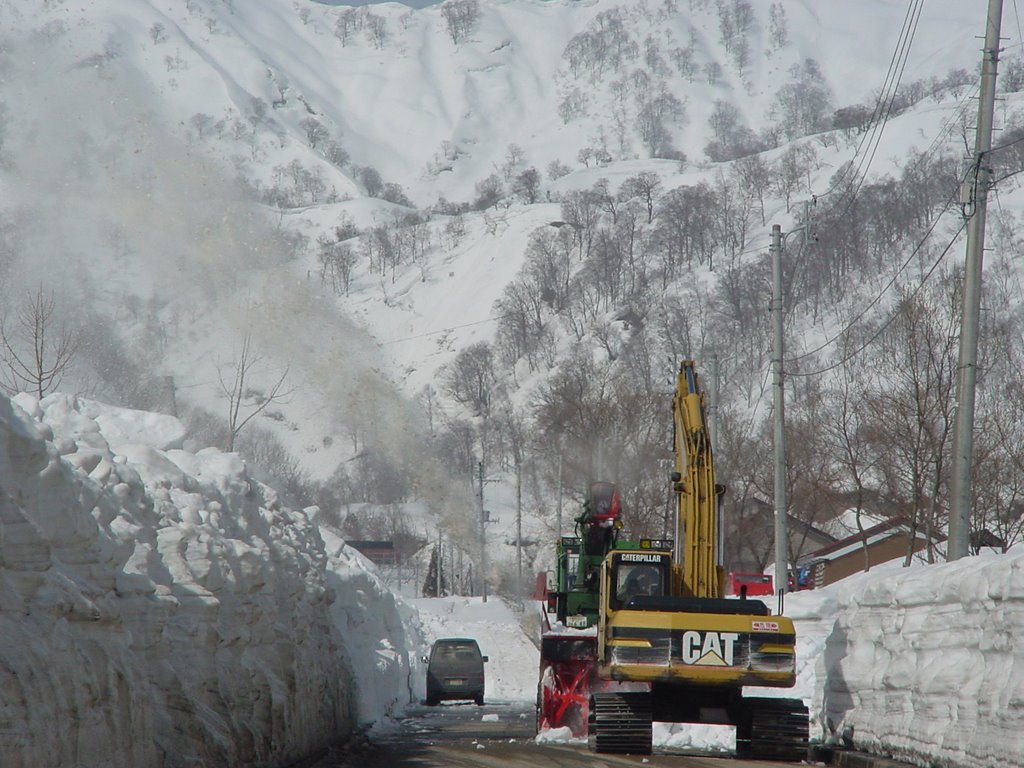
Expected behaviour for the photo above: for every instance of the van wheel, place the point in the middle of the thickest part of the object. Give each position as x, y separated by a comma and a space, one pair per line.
431, 700
479, 700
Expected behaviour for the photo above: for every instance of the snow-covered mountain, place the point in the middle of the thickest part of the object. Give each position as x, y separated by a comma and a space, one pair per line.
172, 167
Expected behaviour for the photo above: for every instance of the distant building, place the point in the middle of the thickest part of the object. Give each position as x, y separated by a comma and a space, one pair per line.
379, 552
884, 541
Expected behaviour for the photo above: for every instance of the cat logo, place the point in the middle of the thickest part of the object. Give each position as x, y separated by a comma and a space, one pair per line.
708, 649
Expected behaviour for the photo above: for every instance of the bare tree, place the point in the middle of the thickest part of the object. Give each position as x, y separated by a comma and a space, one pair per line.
527, 185
911, 402
777, 32
244, 401
845, 428
792, 170
202, 123
376, 29
755, 178
470, 379
316, 134
646, 186
461, 17
349, 22
803, 103
37, 350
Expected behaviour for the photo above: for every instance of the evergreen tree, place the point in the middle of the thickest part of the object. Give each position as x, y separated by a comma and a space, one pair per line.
430, 585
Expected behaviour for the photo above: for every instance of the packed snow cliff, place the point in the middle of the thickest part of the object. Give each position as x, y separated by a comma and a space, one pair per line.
161, 608
926, 664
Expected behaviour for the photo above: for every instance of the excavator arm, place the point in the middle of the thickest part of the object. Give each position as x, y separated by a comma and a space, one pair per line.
697, 571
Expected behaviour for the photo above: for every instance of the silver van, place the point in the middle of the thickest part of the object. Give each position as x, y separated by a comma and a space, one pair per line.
455, 670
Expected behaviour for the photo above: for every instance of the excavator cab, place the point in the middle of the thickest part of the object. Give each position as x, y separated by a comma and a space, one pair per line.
639, 575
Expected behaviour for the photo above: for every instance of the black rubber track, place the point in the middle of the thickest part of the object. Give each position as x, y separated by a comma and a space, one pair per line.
620, 723
773, 729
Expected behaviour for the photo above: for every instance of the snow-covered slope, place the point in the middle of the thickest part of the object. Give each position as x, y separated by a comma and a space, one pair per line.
137, 135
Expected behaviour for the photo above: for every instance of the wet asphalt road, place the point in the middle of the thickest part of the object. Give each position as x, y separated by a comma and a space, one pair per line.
496, 735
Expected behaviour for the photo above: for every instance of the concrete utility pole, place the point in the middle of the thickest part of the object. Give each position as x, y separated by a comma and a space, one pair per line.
440, 582
519, 527
781, 503
713, 435
558, 507
483, 534
974, 199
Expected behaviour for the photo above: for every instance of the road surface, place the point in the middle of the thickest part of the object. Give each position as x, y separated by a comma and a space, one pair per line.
498, 735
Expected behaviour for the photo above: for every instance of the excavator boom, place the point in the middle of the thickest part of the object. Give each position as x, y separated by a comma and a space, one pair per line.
698, 572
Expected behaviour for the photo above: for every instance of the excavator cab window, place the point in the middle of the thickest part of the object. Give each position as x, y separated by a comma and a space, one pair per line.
640, 580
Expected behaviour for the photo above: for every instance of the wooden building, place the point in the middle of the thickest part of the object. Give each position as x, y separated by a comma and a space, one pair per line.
884, 542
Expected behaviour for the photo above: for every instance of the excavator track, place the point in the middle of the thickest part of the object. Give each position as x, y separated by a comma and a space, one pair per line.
620, 723
773, 729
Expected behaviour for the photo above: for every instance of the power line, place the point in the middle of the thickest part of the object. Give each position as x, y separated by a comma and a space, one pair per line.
903, 50
446, 330
921, 243
878, 297
888, 320
884, 102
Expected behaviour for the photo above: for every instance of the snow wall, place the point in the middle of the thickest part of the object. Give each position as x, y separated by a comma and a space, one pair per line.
161, 608
924, 664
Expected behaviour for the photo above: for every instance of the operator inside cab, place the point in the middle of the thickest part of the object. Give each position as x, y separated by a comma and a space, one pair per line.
641, 580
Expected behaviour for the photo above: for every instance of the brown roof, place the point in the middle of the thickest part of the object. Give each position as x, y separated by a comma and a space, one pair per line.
884, 530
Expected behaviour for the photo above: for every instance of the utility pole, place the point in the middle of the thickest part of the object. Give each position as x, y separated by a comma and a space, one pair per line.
519, 528
483, 534
713, 402
781, 503
716, 370
440, 581
558, 507
975, 201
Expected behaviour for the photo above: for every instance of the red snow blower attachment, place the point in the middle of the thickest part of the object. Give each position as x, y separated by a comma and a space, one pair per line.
566, 676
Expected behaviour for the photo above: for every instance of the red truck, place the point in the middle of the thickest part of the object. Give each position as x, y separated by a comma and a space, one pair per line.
756, 583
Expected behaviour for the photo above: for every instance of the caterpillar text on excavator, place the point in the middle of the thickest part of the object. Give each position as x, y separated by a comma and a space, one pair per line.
643, 634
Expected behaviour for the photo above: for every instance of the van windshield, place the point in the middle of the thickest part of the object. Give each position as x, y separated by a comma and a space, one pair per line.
457, 652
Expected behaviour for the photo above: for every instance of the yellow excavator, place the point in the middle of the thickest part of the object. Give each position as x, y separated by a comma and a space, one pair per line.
663, 621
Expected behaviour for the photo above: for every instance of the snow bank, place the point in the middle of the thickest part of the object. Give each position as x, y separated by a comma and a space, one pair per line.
382, 631
162, 608
927, 665
923, 664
